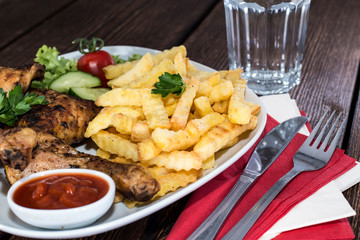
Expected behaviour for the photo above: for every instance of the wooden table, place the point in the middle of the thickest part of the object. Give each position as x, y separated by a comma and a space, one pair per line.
330, 71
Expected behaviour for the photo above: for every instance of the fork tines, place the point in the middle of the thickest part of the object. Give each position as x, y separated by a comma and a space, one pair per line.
320, 142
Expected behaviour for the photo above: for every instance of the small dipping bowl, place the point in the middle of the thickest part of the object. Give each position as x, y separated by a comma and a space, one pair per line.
67, 218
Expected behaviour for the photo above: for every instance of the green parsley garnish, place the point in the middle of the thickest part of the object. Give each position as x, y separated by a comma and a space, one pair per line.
16, 104
169, 83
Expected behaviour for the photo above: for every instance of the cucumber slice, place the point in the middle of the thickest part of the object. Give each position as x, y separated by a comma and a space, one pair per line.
74, 79
87, 93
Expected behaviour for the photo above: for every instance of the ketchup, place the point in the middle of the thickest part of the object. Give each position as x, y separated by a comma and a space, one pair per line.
61, 191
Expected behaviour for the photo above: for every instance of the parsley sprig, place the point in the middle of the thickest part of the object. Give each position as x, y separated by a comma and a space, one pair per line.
16, 103
169, 83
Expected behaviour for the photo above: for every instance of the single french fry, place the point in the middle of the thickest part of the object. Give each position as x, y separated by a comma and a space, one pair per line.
208, 163
170, 53
221, 107
239, 111
158, 172
223, 73
122, 123
207, 84
122, 160
171, 160
204, 89
104, 119
214, 79
231, 143
120, 97
222, 91
180, 116
114, 131
147, 150
197, 127
234, 75
154, 110
101, 121
115, 144
255, 109
174, 180
140, 131
102, 153
202, 106
150, 78
169, 183
192, 71
219, 136
170, 109
113, 71
169, 99
231, 74
168, 140
144, 65
180, 65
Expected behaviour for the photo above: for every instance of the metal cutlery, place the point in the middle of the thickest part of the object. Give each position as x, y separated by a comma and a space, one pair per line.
311, 156
265, 153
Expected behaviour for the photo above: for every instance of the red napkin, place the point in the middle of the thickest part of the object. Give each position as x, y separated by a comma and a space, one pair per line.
339, 229
204, 200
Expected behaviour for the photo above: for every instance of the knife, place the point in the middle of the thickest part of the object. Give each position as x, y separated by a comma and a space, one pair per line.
265, 153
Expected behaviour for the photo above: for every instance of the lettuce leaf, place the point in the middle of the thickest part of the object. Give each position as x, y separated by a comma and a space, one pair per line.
54, 66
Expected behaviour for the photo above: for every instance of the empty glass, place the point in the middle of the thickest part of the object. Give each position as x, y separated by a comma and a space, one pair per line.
266, 39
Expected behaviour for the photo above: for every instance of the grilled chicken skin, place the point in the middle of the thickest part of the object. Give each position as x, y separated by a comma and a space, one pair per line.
65, 117
10, 77
24, 151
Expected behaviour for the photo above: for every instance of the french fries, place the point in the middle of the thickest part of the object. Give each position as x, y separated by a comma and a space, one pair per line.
115, 144
154, 110
219, 136
175, 137
180, 116
120, 97
144, 65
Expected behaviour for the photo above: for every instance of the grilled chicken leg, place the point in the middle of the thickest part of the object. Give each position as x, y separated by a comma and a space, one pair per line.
65, 117
10, 77
24, 151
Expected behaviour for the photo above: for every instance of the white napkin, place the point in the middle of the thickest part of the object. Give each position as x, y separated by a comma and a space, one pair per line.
328, 203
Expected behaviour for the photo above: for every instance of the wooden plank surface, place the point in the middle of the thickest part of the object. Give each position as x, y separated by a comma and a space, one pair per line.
117, 22
20, 17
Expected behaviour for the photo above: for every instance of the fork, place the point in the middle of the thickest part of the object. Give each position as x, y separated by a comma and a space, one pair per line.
312, 155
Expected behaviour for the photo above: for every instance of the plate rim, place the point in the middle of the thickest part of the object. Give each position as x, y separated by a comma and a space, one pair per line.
156, 205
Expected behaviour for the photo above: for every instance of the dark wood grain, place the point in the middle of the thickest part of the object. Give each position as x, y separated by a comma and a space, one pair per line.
20, 17
117, 22
208, 42
330, 58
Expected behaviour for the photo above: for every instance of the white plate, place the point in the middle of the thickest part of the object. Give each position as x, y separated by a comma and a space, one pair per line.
119, 215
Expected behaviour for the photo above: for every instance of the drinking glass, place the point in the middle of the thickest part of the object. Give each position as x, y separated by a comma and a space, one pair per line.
266, 39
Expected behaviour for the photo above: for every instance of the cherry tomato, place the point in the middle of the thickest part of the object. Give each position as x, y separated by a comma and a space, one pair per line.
94, 59
94, 62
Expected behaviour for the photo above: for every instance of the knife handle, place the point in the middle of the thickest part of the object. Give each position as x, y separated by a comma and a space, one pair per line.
243, 226
209, 228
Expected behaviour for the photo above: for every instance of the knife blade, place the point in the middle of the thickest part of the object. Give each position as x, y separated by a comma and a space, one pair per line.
265, 153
